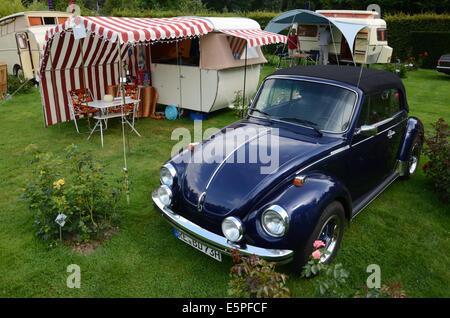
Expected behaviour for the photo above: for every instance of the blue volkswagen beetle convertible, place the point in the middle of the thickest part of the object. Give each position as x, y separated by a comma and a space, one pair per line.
318, 145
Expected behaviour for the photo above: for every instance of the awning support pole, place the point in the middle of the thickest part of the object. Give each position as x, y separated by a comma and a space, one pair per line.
122, 88
55, 97
84, 80
179, 77
245, 79
334, 44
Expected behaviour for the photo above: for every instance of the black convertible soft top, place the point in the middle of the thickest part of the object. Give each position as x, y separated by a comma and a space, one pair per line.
371, 81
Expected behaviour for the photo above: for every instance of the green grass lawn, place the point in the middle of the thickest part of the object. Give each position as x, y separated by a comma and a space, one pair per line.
405, 230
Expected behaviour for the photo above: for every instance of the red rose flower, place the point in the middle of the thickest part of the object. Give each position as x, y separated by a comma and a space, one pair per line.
411, 58
420, 54
426, 53
425, 166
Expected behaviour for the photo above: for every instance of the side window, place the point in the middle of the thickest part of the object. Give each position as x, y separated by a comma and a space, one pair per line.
364, 114
380, 106
395, 102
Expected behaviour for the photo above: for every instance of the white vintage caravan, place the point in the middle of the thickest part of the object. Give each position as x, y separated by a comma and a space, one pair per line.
21, 37
210, 69
371, 44
356, 37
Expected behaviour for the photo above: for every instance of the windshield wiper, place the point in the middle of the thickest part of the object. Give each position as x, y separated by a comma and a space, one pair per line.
262, 113
308, 123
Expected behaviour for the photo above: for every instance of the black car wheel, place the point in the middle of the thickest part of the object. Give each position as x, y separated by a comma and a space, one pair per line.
329, 229
413, 158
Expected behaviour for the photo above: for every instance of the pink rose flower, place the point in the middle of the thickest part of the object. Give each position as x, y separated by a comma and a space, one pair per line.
316, 254
318, 244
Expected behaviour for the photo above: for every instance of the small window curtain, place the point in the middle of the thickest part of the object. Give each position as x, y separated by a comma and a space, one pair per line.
237, 46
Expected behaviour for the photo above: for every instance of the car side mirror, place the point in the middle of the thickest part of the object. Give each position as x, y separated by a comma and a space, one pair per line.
368, 130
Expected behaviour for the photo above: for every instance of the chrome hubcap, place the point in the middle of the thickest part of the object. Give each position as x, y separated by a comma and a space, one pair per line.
329, 235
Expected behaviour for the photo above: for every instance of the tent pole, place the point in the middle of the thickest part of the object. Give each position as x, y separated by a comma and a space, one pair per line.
245, 78
334, 44
179, 77
84, 81
122, 88
55, 98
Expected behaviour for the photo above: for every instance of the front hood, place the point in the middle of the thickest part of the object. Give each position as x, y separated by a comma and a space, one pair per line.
238, 165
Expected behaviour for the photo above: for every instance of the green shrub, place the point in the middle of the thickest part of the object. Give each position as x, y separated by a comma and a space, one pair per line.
389, 290
254, 277
73, 185
437, 149
14, 84
398, 69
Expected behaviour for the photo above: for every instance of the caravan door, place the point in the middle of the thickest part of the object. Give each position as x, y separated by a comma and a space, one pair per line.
24, 52
190, 88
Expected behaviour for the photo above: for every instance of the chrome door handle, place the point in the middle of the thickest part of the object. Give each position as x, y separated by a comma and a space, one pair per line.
390, 134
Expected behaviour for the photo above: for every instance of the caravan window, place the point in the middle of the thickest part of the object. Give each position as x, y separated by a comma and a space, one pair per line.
307, 30
381, 35
166, 52
35, 21
49, 20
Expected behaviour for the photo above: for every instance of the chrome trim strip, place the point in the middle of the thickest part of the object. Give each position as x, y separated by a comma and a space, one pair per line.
339, 150
216, 241
444, 67
334, 152
231, 153
382, 132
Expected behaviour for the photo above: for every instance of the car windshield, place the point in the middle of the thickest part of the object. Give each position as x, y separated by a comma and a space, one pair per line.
317, 105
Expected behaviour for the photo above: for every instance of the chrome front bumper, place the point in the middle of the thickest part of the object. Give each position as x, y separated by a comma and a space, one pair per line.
218, 242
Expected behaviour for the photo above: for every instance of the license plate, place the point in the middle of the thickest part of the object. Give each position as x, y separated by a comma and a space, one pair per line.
198, 245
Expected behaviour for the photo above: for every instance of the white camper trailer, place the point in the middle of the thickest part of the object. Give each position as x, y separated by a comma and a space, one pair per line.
195, 63
210, 70
356, 37
371, 44
21, 37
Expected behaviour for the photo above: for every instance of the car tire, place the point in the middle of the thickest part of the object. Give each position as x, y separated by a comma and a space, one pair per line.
413, 159
334, 213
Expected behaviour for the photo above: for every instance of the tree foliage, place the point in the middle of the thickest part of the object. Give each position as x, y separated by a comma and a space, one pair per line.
107, 7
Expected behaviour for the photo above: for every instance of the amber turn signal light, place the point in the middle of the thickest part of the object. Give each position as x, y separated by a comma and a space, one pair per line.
299, 180
192, 145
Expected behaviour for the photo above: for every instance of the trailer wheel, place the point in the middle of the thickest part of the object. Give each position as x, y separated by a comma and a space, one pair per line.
18, 72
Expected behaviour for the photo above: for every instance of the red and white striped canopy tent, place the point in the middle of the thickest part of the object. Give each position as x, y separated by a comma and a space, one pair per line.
93, 61
70, 61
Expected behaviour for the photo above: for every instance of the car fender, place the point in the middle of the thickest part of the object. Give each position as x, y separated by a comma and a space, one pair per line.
414, 127
304, 205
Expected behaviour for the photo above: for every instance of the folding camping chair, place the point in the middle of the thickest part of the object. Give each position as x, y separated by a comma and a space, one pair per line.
282, 55
76, 98
314, 56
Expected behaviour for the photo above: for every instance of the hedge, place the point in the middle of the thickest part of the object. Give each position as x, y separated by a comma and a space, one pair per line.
399, 27
434, 43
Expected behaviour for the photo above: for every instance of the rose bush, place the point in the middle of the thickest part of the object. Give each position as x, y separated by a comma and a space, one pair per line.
74, 185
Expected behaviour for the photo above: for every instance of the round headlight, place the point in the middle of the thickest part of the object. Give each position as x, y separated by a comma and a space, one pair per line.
275, 221
167, 174
165, 195
232, 229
